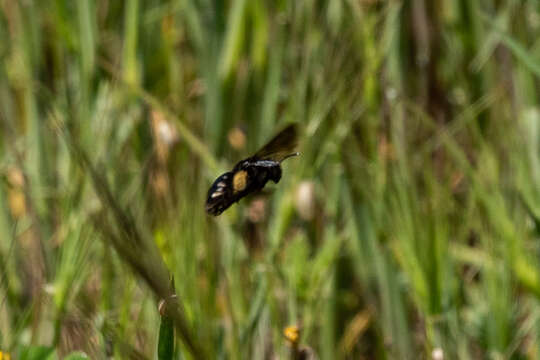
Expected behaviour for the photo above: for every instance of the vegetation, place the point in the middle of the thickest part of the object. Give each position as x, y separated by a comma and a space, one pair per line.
408, 228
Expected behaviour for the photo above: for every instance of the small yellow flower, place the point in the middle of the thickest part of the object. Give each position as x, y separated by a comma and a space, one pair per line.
4, 356
291, 333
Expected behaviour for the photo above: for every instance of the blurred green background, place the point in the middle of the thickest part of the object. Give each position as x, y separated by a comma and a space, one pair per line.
408, 228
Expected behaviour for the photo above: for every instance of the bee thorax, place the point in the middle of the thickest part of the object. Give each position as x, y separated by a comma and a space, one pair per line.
240, 180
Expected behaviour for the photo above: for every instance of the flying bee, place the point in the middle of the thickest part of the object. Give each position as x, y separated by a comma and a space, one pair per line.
252, 174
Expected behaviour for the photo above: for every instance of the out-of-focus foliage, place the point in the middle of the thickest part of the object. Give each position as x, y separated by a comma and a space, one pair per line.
408, 228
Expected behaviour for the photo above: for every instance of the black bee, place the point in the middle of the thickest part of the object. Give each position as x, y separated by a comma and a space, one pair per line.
251, 174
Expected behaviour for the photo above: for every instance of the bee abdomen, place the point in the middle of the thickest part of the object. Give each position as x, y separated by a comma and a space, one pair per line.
220, 194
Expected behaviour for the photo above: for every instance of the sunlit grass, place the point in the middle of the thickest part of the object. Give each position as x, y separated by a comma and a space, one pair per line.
407, 228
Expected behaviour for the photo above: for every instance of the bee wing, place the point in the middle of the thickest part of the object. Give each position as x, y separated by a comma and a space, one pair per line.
281, 146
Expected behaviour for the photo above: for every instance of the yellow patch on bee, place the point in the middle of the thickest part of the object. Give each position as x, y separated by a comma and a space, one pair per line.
240, 181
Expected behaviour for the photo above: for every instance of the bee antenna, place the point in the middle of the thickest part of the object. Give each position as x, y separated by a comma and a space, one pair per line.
290, 155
